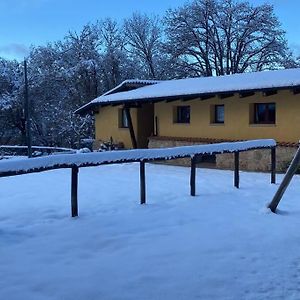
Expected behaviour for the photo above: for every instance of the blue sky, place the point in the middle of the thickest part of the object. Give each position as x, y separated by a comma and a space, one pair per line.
26, 22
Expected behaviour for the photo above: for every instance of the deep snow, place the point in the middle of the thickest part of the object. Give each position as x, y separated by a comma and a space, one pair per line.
222, 244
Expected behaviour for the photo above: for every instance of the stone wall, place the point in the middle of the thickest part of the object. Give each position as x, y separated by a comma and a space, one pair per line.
254, 160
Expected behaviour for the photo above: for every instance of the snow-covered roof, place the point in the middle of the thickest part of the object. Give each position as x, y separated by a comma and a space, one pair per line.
255, 81
9, 168
126, 85
130, 83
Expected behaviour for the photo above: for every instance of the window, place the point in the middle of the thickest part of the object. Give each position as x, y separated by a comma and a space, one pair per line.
264, 113
219, 114
123, 121
182, 114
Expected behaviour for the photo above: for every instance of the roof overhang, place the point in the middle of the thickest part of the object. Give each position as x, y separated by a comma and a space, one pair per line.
93, 107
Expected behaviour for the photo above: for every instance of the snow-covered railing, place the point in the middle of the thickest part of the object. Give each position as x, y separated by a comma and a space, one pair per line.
76, 161
17, 148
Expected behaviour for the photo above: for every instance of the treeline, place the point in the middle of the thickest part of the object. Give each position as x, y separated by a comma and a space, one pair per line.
200, 38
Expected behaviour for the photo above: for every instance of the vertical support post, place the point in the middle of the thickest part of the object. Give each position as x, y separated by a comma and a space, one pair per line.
156, 126
193, 176
236, 169
27, 110
130, 126
74, 191
286, 181
273, 165
142, 183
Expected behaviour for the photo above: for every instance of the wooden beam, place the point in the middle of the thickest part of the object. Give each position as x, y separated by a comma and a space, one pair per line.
296, 91
130, 126
273, 165
172, 100
193, 176
142, 183
286, 181
269, 93
206, 97
155, 126
74, 191
246, 94
236, 169
224, 96
189, 99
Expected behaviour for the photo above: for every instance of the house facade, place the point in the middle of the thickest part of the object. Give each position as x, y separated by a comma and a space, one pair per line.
205, 110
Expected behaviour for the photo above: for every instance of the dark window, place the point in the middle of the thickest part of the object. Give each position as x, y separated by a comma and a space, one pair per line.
123, 121
264, 113
182, 114
219, 113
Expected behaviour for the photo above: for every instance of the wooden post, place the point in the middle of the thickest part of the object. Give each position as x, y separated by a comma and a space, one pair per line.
286, 181
193, 176
273, 165
236, 169
27, 112
142, 183
156, 126
130, 126
74, 191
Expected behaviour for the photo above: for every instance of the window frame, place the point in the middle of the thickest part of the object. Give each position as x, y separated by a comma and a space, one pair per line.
179, 115
267, 115
123, 122
216, 120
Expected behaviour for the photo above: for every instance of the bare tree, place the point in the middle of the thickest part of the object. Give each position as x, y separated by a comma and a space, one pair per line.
143, 36
214, 37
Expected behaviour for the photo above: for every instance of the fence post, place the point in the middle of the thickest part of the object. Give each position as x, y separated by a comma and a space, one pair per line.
193, 176
273, 165
142, 183
236, 169
286, 181
74, 191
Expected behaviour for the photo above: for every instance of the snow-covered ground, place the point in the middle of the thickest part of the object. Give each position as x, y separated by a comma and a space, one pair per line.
221, 244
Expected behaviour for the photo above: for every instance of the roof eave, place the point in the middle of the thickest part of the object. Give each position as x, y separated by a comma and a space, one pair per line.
185, 97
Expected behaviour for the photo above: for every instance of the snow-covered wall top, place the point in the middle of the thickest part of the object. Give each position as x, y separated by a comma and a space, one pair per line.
207, 85
93, 159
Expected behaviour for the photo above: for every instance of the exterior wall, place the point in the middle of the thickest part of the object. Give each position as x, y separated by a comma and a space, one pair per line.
237, 118
254, 160
107, 125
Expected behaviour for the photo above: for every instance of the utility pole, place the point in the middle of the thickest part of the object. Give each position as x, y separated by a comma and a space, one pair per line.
27, 112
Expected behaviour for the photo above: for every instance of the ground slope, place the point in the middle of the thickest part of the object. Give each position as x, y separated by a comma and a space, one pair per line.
221, 244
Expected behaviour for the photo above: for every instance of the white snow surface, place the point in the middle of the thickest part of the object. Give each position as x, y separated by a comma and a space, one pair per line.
129, 155
207, 85
221, 244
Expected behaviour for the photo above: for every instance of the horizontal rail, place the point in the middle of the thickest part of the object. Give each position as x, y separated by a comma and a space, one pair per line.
40, 164
16, 147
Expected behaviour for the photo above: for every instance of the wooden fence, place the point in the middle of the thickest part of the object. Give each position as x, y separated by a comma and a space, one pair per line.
142, 156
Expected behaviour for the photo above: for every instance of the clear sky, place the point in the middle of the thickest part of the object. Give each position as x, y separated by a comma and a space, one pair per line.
26, 22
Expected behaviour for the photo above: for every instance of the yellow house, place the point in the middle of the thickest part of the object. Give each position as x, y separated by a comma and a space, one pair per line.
245, 106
